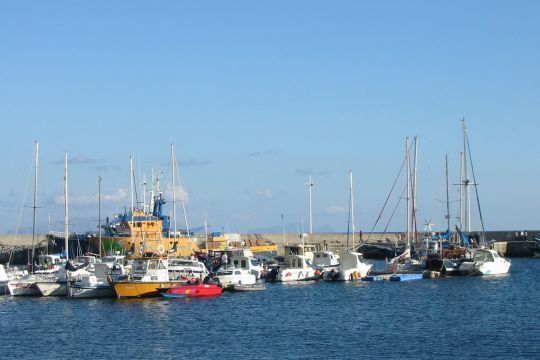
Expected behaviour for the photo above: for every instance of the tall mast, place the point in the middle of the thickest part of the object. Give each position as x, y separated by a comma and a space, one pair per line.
66, 212
99, 213
413, 220
466, 182
145, 211
131, 180
36, 166
351, 200
310, 185
447, 197
408, 196
206, 231
173, 169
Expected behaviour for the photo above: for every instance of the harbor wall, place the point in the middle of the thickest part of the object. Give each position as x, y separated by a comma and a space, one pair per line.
507, 242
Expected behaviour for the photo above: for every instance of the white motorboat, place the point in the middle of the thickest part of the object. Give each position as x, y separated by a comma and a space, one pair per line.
297, 268
352, 267
93, 284
228, 276
182, 269
247, 263
485, 262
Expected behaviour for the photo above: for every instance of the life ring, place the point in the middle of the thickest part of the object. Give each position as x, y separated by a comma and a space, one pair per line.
161, 249
355, 274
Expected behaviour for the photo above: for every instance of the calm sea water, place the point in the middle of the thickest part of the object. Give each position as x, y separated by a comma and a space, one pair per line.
448, 318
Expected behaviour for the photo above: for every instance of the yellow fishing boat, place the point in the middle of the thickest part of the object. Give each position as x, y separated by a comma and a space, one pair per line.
138, 232
147, 274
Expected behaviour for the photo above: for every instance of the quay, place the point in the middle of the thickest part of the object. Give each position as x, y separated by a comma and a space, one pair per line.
505, 242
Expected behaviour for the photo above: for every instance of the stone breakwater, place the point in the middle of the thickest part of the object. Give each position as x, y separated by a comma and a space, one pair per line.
512, 243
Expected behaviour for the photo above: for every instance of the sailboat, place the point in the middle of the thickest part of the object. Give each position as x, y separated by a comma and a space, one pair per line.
352, 265
46, 265
58, 285
404, 262
484, 261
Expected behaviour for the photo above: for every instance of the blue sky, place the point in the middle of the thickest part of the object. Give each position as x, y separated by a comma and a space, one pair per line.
257, 96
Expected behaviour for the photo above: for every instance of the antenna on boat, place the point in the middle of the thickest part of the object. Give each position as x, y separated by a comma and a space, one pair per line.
206, 231
310, 184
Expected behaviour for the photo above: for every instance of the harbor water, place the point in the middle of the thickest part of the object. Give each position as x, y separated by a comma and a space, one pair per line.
493, 317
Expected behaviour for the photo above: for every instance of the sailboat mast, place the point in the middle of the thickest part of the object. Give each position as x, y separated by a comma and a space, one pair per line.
351, 200
66, 210
36, 166
173, 169
447, 197
466, 182
413, 220
408, 196
99, 213
131, 180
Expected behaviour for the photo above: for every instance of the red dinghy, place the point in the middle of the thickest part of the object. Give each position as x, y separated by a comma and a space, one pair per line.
183, 291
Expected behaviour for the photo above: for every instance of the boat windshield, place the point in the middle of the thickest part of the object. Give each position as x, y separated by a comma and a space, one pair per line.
181, 263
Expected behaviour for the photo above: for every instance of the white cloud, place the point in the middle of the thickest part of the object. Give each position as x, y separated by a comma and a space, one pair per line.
334, 209
116, 197
264, 193
179, 193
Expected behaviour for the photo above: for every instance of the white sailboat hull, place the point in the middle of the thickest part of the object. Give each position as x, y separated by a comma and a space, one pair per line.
22, 288
97, 291
52, 288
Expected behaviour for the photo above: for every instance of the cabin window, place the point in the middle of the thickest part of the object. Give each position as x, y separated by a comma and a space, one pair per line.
244, 265
152, 265
317, 256
325, 255
237, 272
235, 263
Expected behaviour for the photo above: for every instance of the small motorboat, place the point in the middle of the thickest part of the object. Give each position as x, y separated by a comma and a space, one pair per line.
248, 287
183, 291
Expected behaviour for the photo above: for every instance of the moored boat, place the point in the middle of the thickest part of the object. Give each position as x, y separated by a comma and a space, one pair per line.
249, 287
190, 290
147, 274
485, 262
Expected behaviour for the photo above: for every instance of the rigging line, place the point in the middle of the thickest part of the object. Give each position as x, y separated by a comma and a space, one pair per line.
21, 210
387, 199
394, 211
476, 190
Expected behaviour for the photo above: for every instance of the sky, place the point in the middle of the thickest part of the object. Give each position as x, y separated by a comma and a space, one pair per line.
258, 96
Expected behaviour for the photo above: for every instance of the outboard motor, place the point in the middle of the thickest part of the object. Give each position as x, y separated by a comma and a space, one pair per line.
70, 267
334, 275
272, 275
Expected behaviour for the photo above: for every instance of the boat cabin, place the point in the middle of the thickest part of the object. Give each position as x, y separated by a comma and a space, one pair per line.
179, 268
247, 263
297, 262
150, 269
325, 259
351, 260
